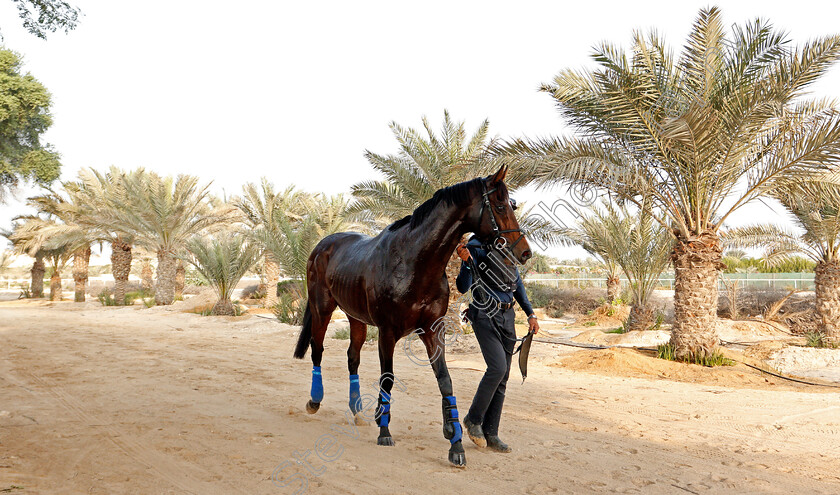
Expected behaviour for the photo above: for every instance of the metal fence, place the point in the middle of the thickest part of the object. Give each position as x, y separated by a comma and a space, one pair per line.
800, 281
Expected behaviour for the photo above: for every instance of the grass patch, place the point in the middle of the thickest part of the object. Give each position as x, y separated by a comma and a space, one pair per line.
615, 330
344, 333
818, 340
106, 297
666, 351
590, 323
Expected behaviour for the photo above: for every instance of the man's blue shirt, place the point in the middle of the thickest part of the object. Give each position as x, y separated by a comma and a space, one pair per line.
465, 279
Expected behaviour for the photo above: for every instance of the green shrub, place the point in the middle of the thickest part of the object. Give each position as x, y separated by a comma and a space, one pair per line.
289, 309
658, 320
819, 340
106, 297
666, 351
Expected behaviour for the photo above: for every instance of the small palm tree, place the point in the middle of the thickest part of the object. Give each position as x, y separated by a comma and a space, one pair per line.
36, 285
593, 233
222, 262
28, 237
291, 239
633, 242
691, 139
815, 208
260, 204
642, 248
67, 206
163, 213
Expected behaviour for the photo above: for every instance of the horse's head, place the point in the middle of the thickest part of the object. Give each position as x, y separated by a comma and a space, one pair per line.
496, 221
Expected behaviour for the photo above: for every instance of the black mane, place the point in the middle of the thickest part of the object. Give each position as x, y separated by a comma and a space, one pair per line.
459, 194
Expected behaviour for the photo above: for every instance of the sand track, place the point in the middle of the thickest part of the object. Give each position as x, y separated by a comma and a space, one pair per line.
104, 400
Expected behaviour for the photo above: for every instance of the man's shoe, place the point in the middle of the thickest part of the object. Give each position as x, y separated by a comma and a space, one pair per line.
474, 432
496, 443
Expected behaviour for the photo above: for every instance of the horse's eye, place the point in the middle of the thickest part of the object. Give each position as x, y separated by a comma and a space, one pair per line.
500, 207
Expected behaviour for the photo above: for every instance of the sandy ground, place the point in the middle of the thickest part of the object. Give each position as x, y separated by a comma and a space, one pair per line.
129, 400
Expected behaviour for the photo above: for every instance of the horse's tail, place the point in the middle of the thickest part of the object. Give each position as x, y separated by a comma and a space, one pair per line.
305, 338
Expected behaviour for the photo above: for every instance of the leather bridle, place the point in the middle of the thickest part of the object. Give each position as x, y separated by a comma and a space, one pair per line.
498, 241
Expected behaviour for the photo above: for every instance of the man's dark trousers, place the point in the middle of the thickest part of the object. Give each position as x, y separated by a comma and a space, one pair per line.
486, 409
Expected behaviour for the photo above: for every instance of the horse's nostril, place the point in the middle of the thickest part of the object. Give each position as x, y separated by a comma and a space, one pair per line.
526, 255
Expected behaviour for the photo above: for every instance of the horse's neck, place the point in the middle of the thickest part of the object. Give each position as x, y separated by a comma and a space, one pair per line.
433, 242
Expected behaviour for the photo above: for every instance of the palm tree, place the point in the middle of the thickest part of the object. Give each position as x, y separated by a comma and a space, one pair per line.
36, 285
694, 138
31, 236
222, 261
259, 204
291, 238
163, 213
424, 164
642, 248
633, 242
814, 208
93, 199
66, 205
595, 233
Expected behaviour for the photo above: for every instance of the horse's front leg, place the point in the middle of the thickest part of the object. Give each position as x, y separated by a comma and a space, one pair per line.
387, 341
434, 341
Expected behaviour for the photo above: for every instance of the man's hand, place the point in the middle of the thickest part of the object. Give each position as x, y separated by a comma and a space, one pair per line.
533, 326
463, 252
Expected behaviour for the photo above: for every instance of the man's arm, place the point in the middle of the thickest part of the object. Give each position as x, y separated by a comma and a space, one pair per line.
465, 279
522, 298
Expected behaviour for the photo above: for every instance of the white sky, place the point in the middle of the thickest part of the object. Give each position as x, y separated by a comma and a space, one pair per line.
296, 91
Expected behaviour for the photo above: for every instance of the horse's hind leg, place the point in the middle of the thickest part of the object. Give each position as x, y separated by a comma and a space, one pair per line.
433, 339
321, 305
358, 335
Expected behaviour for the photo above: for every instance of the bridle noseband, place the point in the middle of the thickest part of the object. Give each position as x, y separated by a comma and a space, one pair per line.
498, 241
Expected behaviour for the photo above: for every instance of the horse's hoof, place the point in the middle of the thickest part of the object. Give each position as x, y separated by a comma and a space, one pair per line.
458, 459
386, 441
312, 407
360, 420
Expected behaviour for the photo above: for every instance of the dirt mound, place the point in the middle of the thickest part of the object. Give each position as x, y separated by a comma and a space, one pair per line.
204, 299
648, 338
751, 330
605, 315
808, 362
644, 364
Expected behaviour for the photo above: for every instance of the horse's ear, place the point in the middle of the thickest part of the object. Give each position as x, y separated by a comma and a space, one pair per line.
499, 176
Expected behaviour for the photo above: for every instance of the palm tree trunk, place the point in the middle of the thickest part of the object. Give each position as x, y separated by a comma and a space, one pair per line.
641, 318
147, 276
120, 268
613, 288
180, 280
55, 286
37, 272
272, 277
223, 307
827, 287
165, 282
81, 261
696, 263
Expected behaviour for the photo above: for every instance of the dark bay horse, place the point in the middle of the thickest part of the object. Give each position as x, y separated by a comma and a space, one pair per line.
396, 281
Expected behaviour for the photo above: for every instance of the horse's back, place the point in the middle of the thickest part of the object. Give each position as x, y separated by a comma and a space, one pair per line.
344, 263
